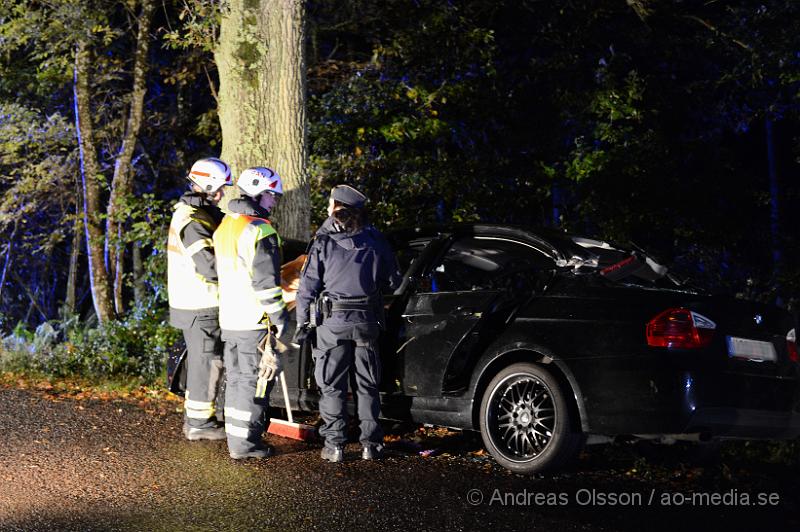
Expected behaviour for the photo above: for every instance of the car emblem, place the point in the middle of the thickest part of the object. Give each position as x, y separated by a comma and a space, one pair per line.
758, 319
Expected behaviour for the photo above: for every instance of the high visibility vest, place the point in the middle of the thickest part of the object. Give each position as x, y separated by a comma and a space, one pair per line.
240, 306
187, 289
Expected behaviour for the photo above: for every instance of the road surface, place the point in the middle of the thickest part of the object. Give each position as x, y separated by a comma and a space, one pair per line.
88, 464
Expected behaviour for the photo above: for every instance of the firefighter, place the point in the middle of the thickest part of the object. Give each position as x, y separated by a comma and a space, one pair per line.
349, 265
192, 289
251, 301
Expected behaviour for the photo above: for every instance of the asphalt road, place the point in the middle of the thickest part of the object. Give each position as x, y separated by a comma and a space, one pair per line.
69, 464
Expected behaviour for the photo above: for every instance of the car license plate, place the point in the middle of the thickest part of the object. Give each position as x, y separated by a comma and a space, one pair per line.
754, 350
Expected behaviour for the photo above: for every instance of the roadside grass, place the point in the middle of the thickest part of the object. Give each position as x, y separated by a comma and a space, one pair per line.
82, 388
154, 400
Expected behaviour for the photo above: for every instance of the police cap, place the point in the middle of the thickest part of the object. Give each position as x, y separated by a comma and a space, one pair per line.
348, 195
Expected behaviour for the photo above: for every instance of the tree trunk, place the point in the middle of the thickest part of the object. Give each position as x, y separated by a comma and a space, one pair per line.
90, 176
138, 275
31, 297
261, 63
121, 185
7, 261
70, 299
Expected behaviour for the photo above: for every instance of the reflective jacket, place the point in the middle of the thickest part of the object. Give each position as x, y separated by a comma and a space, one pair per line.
346, 265
248, 265
191, 265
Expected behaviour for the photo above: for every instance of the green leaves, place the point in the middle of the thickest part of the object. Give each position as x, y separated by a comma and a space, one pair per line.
199, 26
37, 166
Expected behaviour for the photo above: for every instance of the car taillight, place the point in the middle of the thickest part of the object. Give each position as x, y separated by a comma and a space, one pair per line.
680, 328
791, 346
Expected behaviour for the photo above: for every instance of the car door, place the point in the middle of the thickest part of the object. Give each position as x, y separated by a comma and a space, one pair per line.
474, 285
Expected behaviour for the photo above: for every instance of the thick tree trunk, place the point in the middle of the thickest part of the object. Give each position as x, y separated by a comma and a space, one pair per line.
261, 63
90, 176
121, 185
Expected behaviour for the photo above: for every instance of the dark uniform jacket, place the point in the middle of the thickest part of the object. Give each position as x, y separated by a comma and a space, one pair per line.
346, 265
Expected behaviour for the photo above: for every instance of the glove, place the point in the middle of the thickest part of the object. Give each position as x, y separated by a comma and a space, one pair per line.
301, 334
270, 365
279, 323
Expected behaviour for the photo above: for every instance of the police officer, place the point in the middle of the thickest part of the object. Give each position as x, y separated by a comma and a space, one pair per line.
349, 265
251, 300
192, 290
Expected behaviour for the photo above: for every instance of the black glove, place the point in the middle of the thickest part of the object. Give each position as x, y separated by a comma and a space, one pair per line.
280, 324
301, 334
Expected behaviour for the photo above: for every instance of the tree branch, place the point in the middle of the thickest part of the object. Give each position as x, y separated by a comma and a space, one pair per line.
716, 30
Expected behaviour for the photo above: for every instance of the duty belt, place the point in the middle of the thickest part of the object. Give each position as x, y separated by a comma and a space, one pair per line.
332, 304
363, 304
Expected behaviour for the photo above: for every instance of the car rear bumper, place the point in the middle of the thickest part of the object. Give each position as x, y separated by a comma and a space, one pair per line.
744, 423
656, 399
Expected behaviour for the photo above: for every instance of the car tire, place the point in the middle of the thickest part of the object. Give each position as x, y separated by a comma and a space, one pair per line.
526, 421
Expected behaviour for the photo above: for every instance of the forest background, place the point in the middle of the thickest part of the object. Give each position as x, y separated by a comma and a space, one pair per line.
669, 124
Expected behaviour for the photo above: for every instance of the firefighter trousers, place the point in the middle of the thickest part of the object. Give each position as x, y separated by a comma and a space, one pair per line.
245, 415
203, 371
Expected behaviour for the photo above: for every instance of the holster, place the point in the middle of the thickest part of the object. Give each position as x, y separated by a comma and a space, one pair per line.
320, 308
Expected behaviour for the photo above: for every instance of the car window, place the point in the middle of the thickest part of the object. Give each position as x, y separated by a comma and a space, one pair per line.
486, 263
406, 255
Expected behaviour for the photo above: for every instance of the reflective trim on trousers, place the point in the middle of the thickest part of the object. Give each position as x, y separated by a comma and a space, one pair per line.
238, 432
238, 415
198, 409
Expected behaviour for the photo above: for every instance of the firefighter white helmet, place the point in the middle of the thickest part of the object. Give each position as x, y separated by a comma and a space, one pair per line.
210, 174
257, 180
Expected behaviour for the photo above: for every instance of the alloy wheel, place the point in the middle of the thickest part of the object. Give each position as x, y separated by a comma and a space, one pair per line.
521, 417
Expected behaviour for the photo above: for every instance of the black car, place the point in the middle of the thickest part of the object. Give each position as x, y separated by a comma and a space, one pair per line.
540, 339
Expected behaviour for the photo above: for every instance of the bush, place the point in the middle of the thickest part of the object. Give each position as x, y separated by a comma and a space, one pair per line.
133, 347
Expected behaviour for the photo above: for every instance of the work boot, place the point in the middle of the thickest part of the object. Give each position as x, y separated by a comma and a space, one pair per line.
262, 451
332, 454
209, 433
372, 452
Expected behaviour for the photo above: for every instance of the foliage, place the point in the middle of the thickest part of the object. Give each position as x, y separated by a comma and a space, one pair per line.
200, 25
406, 125
631, 121
39, 164
135, 347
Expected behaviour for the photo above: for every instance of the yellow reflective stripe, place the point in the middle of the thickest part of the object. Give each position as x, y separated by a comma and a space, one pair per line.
269, 293
261, 388
200, 414
239, 415
199, 409
199, 245
275, 307
239, 432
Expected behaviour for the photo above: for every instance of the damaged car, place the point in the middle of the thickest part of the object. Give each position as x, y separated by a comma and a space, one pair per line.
540, 340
